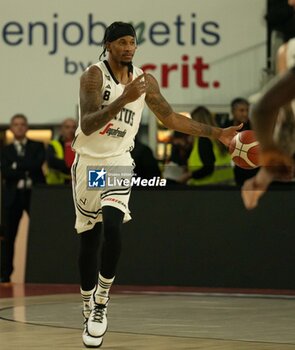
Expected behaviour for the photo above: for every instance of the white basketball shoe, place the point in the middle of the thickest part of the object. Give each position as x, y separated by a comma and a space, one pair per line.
97, 322
88, 340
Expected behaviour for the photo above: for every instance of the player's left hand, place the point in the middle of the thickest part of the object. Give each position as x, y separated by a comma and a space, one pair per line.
228, 134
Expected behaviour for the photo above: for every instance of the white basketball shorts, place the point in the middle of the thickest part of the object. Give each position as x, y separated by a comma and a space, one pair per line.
98, 183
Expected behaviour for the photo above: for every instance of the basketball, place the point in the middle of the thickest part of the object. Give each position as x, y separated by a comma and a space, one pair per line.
244, 150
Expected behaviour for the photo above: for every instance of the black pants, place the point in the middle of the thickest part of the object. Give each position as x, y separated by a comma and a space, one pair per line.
89, 263
12, 216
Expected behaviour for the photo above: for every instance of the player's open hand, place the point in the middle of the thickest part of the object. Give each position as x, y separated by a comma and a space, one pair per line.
134, 88
228, 134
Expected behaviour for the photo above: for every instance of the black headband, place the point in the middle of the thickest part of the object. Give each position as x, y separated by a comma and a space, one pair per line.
119, 31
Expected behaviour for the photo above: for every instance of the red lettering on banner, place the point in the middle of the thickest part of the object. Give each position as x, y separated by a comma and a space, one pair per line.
198, 68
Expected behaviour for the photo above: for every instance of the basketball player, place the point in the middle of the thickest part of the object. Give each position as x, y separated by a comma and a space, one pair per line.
275, 152
112, 96
277, 162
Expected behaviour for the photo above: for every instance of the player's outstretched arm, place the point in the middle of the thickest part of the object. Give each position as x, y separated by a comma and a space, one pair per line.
93, 116
264, 114
276, 165
163, 111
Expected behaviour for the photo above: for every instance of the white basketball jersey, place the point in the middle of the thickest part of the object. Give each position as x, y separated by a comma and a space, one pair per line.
117, 136
291, 61
291, 53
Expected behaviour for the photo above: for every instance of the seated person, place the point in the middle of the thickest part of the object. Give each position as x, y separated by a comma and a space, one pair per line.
176, 167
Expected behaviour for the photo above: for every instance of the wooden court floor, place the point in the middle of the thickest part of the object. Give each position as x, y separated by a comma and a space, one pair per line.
149, 320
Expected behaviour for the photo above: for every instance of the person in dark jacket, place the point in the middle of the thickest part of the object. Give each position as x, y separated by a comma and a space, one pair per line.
21, 166
240, 114
146, 165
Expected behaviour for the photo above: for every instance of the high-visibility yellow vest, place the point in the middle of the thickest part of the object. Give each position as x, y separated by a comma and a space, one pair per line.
223, 170
53, 176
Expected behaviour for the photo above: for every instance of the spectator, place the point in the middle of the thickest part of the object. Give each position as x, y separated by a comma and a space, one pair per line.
60, 155
21, 164
240, 114
176, 168
209, 161
281, 18
146, 165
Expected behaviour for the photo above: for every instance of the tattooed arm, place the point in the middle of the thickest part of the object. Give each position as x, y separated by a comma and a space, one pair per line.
93, 117
163, 111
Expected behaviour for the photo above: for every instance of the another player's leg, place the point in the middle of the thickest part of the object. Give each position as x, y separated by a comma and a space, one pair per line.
112, 222
88, 266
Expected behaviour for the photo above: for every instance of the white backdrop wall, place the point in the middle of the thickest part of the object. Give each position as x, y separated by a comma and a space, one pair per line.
201, 51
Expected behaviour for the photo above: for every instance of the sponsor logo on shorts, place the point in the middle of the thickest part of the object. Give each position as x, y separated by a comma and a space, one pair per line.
110, 199
83, 200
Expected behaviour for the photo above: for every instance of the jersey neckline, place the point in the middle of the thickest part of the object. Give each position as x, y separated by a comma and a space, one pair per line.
130, 70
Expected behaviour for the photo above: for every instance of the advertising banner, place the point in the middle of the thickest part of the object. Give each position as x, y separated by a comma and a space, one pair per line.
200, 51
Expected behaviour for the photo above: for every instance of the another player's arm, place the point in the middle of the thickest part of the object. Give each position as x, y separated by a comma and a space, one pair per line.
172, 120
276, 164
281, 59
265, 112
